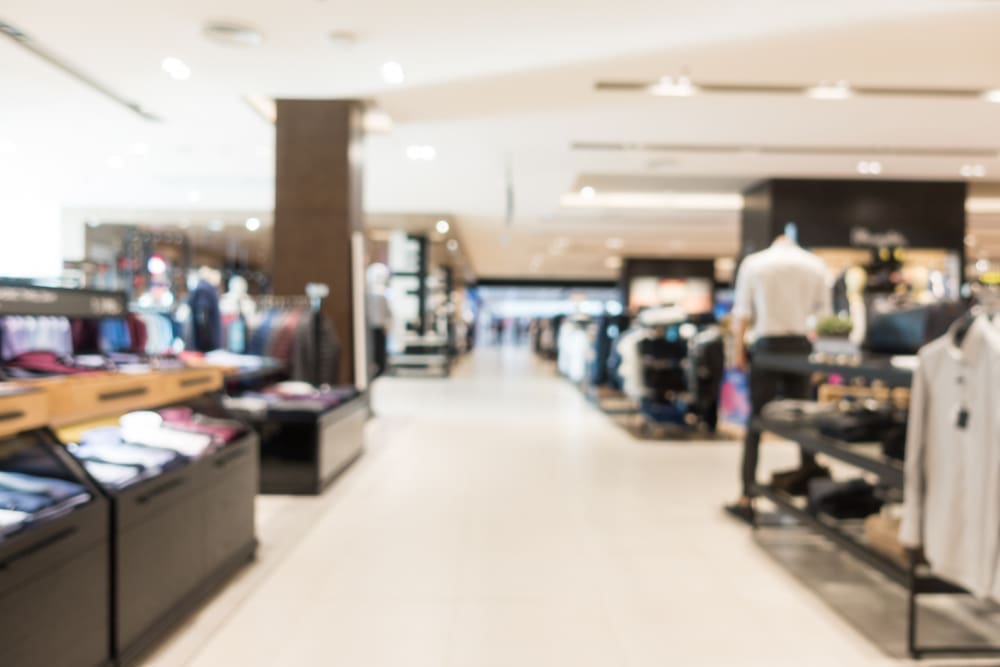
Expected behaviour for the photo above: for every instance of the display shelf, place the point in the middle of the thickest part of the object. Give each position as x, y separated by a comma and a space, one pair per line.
873, 368
55, 574
889, 471
21, 409
77, 398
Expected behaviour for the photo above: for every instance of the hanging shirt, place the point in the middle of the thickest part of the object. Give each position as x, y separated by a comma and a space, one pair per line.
781, 289
951, 500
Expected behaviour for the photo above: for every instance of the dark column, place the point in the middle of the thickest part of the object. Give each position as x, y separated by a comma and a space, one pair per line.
318, 208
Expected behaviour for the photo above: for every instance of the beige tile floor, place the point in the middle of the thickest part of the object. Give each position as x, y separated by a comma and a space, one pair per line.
498, 519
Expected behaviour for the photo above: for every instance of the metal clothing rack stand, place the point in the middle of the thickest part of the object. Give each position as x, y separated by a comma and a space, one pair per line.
915, 579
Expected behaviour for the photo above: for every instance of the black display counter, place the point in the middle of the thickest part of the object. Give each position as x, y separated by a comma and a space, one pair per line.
176, 537
301, 454
55, 573
871, 368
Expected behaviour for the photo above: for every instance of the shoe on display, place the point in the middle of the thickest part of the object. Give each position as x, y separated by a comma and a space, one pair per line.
796, 482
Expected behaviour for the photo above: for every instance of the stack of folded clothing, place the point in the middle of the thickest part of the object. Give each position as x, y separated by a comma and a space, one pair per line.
116, 463
24, 498
796, 412
291, 399
853, 499
860, 421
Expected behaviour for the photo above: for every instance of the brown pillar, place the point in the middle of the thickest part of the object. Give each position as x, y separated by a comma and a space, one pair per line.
318, 208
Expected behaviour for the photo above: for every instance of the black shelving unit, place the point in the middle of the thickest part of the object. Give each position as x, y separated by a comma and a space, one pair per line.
871, 368
54, 574
915, 579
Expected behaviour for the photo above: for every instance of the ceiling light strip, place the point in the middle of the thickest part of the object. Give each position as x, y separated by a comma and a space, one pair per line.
884, 151
29, 44
733, 88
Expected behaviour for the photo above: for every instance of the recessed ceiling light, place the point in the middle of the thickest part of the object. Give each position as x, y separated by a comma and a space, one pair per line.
840, 90
587, 192
869, 167
452, 245
139, 148
232, 34
253, 224
176, 69
392, 72
972, 171
669, 86
992, 95
613, 262
615, 243
421, 153
442, 227
983, 265
216, 225
116, 162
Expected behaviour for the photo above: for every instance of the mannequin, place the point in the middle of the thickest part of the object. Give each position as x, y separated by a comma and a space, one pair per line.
856, 279
236, 308
206, 320
379, 315
780, 293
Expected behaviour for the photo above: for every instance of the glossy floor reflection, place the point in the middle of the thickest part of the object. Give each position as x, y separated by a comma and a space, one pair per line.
499, 519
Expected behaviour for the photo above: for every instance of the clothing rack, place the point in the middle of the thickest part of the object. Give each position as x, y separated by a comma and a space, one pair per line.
914, 579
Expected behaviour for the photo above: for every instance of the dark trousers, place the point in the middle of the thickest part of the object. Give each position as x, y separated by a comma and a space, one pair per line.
766, 386
379, 352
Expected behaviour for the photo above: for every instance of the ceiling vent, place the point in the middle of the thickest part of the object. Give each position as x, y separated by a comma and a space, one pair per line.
230, 33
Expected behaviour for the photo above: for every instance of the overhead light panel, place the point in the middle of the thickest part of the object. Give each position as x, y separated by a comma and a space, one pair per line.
392, 72
669, 86
587, 192
176, 69
973, 171
869, 167
679, 201
421, 153
839, 90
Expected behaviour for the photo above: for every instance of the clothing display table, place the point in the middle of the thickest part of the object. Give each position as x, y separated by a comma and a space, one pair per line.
914, 577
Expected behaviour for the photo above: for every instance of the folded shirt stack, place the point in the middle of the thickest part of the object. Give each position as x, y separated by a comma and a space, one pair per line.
796, 412
291, 399
24, 498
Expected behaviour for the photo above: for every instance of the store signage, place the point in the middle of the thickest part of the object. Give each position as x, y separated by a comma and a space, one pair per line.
56, 301
864, 237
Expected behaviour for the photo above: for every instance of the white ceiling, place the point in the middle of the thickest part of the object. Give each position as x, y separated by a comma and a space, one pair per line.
497, 88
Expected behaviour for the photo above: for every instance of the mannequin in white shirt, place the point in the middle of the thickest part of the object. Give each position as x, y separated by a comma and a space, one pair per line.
780, 294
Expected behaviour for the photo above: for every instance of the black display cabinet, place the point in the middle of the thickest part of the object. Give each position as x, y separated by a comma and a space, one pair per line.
55, 608
303, 453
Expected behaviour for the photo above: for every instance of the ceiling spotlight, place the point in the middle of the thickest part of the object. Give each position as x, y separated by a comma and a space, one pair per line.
983, 265
972, 171
176, 69
992, 95
216, 225
613, 262
869, 167
587, 192
614, 243
452, 245
253, 224
442, 227
392, 72
669, 86
116, 162
839, 90
421, 153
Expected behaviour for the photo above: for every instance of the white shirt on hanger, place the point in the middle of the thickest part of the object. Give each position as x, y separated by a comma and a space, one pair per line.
781, 289
951, 499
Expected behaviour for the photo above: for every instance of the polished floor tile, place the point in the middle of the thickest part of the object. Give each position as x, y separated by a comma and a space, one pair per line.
497, 518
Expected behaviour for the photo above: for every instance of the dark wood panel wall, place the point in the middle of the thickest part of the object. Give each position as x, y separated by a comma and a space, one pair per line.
318, 206
839, 213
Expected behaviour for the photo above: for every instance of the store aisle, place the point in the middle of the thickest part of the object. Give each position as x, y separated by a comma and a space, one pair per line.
498, 519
